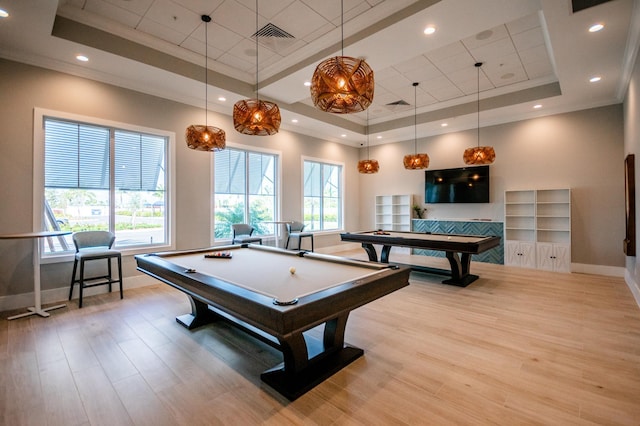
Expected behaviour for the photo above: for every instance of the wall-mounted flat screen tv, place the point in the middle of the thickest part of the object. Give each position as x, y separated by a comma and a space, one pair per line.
461, 185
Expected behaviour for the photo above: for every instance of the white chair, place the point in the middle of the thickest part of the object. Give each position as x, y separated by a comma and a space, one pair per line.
242, 234
91, 246
294, 229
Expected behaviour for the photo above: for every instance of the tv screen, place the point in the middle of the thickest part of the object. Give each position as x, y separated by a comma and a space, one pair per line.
461, 185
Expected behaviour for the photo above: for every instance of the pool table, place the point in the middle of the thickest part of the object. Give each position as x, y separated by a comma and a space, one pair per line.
277, 296
458, 249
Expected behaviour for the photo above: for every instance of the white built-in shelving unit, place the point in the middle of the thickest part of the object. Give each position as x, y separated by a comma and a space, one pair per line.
537, 228
393, 212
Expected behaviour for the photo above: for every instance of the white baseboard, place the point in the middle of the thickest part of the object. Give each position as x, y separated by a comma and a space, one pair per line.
56, 295
633, 286
609, 271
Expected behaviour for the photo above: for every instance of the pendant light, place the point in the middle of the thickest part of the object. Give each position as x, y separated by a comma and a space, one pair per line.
480, 154
254, 116
415, 161
368, 166
199, 137
342, 84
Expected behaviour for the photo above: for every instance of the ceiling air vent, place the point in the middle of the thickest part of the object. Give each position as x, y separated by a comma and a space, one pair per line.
579, 5
274, 37
397, 105
271, 30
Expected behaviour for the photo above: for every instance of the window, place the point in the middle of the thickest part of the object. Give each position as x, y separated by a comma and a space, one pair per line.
102, 177
322, 196
245, 191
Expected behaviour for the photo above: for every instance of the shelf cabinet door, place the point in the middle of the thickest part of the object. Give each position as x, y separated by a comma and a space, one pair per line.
520, 253
554, 257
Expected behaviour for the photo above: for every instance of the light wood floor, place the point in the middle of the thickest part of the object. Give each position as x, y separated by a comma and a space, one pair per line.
515, 347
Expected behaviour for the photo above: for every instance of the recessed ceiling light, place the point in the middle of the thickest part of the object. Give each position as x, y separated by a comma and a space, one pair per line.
3, 13
82, 58
222, 98
343, 135
444, 124
307, 83
595, 79
430, 30
379, 137
295, 120
595, 28
537, 106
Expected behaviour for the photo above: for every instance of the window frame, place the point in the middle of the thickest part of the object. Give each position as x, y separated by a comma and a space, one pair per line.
278, 186
343, 184
39, 115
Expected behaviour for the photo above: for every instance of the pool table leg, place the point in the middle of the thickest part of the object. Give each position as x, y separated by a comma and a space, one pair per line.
200, 315
371, 251
308, 362
373, 255
460, 275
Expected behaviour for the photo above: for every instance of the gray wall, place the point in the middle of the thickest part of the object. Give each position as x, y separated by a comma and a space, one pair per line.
632, 146
580, 150
24, 87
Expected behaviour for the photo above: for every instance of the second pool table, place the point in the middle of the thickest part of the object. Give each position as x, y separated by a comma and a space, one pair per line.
451, 244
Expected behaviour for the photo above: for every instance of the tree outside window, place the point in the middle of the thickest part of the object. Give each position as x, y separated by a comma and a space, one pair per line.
103, 178
322, 196
245, 191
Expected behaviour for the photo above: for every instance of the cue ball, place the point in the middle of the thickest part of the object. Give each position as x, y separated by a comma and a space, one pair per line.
292, 270
448, 238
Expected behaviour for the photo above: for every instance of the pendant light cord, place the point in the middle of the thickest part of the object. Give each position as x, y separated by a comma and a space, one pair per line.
478, 65
368, 156
206, 74
415, 118
342, 26
257, 81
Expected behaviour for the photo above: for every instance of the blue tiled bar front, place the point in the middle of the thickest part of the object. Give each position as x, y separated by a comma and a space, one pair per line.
471, 227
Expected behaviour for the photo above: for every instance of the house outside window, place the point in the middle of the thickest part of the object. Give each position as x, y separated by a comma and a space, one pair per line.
104, 177
323, 192
246, 191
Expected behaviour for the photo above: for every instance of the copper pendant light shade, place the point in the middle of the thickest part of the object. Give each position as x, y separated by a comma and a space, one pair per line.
479, 155
256, 117
342, 84
415, 161
368, 166
204, 137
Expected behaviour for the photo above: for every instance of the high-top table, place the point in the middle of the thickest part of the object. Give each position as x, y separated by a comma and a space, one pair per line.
35, 236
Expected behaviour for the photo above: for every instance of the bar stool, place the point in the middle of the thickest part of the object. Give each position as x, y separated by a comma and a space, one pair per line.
295, 229
90, 246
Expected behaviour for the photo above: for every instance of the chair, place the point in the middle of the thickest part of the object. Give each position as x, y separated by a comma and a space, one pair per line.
90, 246
294, 229
242, 234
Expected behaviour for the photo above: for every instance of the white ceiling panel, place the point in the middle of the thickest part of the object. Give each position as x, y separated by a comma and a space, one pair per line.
524, 44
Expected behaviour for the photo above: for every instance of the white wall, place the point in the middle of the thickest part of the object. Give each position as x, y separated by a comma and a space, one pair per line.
25, 87
632, 146
581, 150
